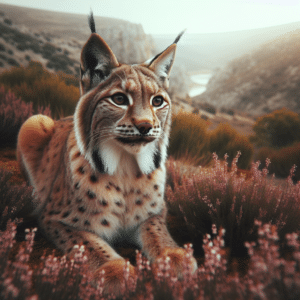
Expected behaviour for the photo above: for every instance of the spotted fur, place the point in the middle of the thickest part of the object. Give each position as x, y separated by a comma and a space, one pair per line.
99, 177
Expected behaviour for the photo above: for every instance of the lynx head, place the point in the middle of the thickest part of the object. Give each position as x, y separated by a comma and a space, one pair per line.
123, 109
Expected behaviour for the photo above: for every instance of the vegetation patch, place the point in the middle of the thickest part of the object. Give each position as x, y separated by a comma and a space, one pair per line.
34, 84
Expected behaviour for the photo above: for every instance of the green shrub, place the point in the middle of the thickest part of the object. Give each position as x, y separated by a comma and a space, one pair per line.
189, 137
282, 160
226, 140
278, 129
191, 141
42, 88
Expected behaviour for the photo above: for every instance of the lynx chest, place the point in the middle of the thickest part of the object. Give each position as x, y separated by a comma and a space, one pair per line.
108, 205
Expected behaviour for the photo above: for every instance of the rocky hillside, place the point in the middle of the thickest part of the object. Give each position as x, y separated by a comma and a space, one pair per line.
55, 39
260, 82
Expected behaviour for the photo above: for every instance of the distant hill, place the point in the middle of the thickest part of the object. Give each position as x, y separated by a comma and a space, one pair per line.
260, 82
214, 50
55, 39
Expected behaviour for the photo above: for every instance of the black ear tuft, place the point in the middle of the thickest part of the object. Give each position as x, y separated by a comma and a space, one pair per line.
179, 36
92, 22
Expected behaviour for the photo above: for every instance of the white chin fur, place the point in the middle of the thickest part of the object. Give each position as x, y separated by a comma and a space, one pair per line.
114, 156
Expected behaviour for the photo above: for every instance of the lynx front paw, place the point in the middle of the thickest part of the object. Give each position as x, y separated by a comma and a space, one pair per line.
179, 260
115, 273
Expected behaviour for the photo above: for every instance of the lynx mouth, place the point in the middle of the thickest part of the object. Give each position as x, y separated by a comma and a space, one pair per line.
135, 140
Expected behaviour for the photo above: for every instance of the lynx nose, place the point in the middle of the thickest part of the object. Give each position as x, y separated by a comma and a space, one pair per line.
144, 128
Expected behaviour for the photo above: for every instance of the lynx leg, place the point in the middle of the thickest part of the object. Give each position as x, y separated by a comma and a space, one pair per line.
34, 135
157, 243
99, 253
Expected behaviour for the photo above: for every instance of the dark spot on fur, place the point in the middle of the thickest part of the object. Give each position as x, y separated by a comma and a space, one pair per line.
137, 218
54, 155
81, 209
104, 223
138, 202
90, 194
85, 242
147, 196
68, 230
66, 214
138, 192
53, 212
57, 189
87, 223
150, 213
48, 159
69, 202
74, 242
108, 187
76, 186
98, 162
80, 170
103, 202
118, 203
69, 250
43, 171
157, 159
155, 187
118, 189
62, 242
76, 155
153, 204
78, 200
147, 228
93, 178
75, 220
60, 203
139, 175
159, 195
91, 249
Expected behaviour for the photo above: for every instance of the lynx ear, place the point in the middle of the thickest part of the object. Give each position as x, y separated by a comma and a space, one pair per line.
162, 63
97, 61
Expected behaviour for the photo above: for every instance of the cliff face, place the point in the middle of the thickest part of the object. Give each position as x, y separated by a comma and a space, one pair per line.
265, 80
56, 39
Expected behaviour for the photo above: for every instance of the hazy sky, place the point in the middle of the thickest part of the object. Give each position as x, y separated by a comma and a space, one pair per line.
171, 16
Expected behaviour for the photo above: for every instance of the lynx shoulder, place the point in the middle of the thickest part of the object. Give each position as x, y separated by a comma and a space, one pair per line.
99, 176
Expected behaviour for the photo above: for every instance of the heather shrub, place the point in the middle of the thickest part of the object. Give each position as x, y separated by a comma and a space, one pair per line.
200, 197
278, 129
13, 113
15, 200
282, 160
268, 276
226, 140
188, 138
42, 88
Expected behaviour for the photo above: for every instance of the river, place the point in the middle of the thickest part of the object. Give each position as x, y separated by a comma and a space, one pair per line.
200, 81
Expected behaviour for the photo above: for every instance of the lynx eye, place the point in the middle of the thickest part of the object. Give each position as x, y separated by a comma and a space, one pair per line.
157, 101
120, 99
